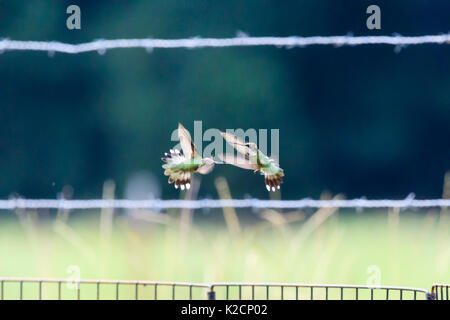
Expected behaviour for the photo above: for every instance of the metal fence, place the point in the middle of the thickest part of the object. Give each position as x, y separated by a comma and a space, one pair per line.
289, 291
63, 289
440, 291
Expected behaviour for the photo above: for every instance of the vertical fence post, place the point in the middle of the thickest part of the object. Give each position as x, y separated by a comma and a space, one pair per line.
431, 295
211, 293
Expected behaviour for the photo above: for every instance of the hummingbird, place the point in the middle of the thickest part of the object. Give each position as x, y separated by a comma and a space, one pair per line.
254, 160
180, 166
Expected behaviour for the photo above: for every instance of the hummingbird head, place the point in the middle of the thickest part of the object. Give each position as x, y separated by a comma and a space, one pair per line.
252, 146
207, 166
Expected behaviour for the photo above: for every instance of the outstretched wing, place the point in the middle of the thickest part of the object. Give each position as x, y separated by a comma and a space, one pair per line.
186, 142
238, 161
237, 143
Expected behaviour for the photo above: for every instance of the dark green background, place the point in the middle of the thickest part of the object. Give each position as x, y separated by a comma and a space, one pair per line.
358, 120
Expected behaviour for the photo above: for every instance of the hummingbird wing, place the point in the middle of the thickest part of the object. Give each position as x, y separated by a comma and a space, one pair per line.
238, 161
237, 143
186, 142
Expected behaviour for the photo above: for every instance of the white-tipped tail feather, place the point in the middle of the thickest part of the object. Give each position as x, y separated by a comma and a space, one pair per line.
180, 178
273, 181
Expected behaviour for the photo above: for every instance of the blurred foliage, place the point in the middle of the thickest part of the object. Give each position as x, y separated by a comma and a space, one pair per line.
362, 120
344, 249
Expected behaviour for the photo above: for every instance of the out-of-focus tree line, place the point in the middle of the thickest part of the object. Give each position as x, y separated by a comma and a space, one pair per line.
362, 120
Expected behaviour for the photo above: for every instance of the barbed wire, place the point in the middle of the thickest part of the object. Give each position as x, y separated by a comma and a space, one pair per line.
409, 202
240, 41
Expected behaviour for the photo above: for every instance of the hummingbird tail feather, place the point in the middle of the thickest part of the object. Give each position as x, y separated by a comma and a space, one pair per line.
174, 156
180, 178
273, 181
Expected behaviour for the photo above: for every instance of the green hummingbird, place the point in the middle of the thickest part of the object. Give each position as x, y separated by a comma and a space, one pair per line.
180, 166
254, 160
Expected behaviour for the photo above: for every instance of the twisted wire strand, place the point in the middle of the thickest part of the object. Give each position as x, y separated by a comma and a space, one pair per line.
240, 41
12, 204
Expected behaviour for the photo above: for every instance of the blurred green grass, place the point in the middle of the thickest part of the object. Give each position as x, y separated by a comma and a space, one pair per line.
408, 248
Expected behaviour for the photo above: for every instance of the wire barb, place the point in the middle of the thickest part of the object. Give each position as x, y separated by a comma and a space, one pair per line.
239, 41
